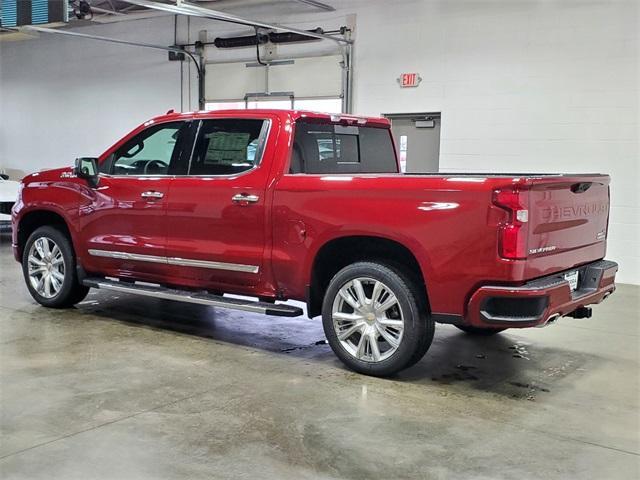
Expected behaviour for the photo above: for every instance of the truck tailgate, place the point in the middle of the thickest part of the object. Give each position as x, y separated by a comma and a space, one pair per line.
568, 219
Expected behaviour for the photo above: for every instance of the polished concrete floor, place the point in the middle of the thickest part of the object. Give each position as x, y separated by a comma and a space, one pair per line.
123, 388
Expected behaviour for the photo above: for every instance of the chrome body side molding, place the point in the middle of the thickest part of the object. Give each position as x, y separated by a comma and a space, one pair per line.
184, 262
127, 256
234, 267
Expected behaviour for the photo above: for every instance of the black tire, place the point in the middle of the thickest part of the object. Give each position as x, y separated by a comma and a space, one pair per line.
478, 331
418, 324
71, 291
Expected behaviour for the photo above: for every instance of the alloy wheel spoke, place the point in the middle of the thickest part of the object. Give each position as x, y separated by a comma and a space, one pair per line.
39, 244
35, 261
39, 285
55, 283
47, 285
347, 317
389, 322
346, 295
59, 276
45, 247
391, 340
362, 298
345, 334
388, 303
378, 290
362, 346
375, 349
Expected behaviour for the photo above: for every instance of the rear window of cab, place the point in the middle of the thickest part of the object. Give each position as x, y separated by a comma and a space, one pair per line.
324, 148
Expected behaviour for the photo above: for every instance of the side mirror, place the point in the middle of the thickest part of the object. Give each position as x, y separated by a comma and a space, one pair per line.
87, 168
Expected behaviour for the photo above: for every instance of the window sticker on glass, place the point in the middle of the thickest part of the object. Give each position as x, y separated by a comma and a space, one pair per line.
226, 148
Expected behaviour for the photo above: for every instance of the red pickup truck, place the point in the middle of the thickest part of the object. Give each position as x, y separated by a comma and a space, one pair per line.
278, 205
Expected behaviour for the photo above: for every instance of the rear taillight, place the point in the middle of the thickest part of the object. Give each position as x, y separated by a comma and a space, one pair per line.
513, 233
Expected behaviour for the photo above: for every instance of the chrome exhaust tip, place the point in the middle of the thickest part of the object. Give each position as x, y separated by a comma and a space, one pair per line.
553, 318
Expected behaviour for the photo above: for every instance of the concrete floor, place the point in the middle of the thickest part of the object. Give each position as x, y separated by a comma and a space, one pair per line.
124, 387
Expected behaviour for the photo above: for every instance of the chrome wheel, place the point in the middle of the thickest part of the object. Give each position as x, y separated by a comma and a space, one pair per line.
367, 319
46, 267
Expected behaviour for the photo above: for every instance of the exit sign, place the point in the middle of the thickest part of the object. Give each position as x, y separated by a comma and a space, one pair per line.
407, 80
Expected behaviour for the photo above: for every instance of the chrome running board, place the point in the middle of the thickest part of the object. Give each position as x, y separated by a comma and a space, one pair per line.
201, 298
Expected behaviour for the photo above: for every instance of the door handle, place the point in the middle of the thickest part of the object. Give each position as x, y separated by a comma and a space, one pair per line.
244, 199
152, 194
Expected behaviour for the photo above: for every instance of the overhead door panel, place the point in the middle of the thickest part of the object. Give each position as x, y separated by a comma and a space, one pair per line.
306, 77
232, 81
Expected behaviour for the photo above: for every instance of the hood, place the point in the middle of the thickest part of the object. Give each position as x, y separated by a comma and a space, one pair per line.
51, 175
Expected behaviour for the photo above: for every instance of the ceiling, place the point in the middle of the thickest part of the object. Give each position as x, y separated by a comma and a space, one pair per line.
108, 11
103, 9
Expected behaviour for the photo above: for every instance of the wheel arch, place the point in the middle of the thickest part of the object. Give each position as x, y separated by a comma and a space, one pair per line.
36, 218
338, 252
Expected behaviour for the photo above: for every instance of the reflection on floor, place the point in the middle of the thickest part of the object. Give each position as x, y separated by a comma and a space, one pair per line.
129, 387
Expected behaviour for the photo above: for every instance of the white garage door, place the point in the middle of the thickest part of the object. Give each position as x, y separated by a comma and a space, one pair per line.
309, 77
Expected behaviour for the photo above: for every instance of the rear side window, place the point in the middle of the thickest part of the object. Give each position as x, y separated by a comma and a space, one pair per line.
228, 146
328, 148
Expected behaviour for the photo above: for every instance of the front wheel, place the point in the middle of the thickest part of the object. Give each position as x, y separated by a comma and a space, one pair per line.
374, 320
49, 267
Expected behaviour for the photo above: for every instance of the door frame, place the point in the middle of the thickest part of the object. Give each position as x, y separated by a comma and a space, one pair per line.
415, 116
412, 115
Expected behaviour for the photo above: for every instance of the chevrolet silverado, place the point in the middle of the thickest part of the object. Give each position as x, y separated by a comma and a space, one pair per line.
289, 205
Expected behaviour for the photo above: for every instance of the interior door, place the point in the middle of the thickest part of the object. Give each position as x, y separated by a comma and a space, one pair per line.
123, 221
218, 212
418, 141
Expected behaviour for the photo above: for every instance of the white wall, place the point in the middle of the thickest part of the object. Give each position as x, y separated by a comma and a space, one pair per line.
522, 86
64, 97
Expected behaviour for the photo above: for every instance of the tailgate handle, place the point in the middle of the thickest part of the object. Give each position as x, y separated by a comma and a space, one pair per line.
581, 187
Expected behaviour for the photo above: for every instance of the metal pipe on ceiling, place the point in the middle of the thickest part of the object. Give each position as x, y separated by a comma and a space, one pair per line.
134, 44
320, 5
185, 8
105, 39
108, 12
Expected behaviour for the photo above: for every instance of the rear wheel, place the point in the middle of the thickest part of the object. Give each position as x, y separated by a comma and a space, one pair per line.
373, 320
480, 332
49, 268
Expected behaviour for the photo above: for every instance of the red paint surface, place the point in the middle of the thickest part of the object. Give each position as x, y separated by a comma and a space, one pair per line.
449, 222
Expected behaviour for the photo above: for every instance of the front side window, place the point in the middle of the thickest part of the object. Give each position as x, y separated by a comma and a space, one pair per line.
328, 148
149, 153
228, 146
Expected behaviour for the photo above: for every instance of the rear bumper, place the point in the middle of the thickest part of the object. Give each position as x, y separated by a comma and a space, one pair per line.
542, 300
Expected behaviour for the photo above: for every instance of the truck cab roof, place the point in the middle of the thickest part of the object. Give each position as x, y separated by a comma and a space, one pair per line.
294, 115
